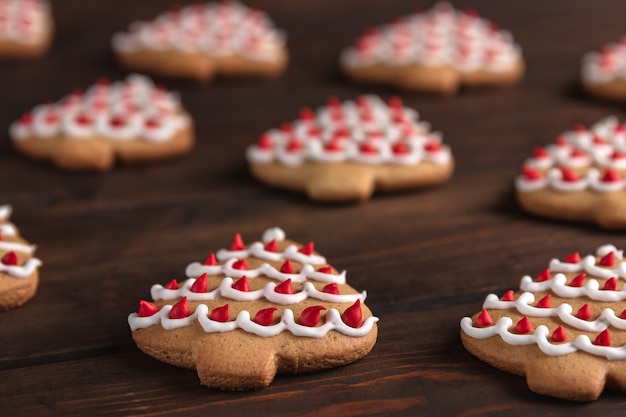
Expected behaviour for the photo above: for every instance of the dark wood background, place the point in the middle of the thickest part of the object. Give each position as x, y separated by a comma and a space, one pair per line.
427, 258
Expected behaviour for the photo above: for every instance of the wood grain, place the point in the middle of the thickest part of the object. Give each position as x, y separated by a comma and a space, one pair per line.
426, 258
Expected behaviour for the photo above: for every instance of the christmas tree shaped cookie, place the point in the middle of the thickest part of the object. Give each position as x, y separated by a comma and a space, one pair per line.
603, 72
435, 51
26, 28
346, 151
251, 311
19, 269
579, 177
202, 40
132, 120
565, 329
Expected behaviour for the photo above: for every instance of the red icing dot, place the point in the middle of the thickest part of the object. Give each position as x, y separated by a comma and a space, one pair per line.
353, 315
559, 335
219, 314
580, 128
180, 310
617, 155
484, 319
333, 102
307, 249
524, 326
210, 260
561, 141
540, 152
623, 315
147, 309
306, 114
242, 284
597, 140
172, 285
578, 280
610, 175
620, 128
432, 146
543, 276
568, 175
531, 174
334, 145
395, 102
368, 148
237, 243
265, 317
241, 265
10, 259
286, 128
117, 121
400, 148
103, 82
265, 142
287, 267
83, 120
201, 284
508, 296
52, 117
26, 119
573, 258
271, 246
331, 288
284, 287
584, 313
310, 316
152, 123
325, 270
544, 302
610, 284
608, 259
603, 339
577, 153
314, 132
294, 145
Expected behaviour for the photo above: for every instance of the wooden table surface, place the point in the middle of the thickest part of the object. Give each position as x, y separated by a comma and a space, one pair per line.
427, 258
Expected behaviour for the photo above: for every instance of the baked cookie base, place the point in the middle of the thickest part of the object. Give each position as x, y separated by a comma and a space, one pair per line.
344, 182
442, 80
16, 50
607, 210
613, 90
99, 154
200, 67
16, 291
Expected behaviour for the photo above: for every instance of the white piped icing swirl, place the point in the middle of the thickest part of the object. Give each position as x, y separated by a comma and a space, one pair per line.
366, 130
131, 109
441, 36
582, 159
24, 21
9, 230
564, 312
605, 65
215, 28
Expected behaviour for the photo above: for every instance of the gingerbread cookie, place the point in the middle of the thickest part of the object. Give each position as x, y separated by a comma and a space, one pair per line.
348, 150
579, 177
565, 330
603, 72
436, 51
252, 311
201, 40
26, 28
131, 120
19, 273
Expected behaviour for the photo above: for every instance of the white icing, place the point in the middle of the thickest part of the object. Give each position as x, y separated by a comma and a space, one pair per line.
24, 21
606, 65
441, 36
8, 229
131, 109
601, 147
369, 122
21, 271
219, 29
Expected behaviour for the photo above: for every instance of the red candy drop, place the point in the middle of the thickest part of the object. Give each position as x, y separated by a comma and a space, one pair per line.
294, 145
395, 102
147, 309
210, 260
540, 152
271, 246
569, 175
531, 174
242, 284
10, 259
26, 119
573, 258
265, 317
559, 335
610, 284
508, 296
432, 146
180, 310
368, 148
580, 128
543, 275
484, 319
287, 267
306, 114
310, 316
240, 265
577, 153
353, 316
325, 270
307, 249
623, 315
400, 148
237, 243
603, 339
201, 284
172, 285
524, 326
544, 302
331, 288
611, 175
219, 314
578, 280
584, 313
284, 287
265, 142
